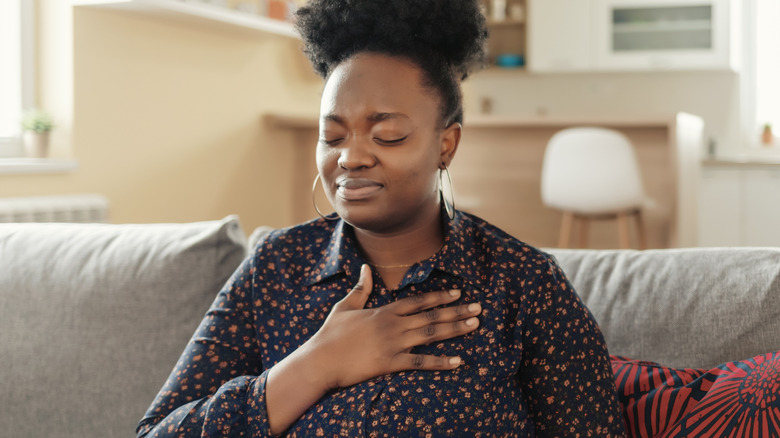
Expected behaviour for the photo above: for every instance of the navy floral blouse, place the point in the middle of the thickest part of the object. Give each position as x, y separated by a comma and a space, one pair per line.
537, 365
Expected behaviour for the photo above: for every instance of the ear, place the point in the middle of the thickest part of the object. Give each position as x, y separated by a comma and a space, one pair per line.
449, 141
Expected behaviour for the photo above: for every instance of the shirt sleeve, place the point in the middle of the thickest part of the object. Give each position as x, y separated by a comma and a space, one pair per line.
217, 387
565, 374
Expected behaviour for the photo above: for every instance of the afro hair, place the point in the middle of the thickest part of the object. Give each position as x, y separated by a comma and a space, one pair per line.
445, 38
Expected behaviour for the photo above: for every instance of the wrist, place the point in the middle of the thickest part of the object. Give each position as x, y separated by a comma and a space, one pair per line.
313, 361
293, 385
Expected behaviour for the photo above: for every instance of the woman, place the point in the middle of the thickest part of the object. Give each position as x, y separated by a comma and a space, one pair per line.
398, 316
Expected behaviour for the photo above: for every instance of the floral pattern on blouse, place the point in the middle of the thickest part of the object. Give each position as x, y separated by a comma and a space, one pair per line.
536, 366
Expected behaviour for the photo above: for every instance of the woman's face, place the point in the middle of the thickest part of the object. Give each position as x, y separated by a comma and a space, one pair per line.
380, 143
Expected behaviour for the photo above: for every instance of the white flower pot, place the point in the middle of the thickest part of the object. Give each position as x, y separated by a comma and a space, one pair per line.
36, 145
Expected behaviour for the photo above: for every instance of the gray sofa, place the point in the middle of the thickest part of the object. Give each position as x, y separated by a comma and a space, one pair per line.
93, 317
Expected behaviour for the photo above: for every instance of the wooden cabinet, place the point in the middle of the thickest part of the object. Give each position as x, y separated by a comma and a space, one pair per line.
739, 205
632, 35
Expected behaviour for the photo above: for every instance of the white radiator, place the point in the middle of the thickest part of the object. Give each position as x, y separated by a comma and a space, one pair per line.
65, 208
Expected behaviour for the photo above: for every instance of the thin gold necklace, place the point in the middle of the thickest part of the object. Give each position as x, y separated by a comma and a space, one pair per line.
403, 266
391, 266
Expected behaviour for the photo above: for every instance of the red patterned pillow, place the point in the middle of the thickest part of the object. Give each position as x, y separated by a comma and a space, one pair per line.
734, 399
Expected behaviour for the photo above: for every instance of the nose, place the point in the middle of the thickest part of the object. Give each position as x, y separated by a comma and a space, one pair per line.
356, 154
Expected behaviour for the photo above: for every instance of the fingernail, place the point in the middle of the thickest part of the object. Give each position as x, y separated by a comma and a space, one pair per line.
454, 292
471, 322
454, 361
474, 307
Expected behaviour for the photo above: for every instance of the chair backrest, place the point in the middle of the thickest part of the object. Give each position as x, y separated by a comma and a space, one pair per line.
591, 170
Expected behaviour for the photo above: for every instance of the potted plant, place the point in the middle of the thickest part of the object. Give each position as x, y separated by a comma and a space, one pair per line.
37, 125
766, 135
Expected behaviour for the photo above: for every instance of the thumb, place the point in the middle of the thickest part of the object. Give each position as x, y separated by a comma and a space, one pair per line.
358, 295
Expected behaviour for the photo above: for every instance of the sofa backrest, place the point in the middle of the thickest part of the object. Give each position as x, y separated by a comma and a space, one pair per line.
93, 318
681, 307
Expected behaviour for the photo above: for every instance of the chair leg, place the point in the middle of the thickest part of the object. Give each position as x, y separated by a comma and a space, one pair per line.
566, 225
640, 229
584, 224
622, 219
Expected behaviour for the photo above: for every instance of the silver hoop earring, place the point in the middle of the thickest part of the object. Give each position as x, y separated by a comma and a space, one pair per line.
314, 201
449, 207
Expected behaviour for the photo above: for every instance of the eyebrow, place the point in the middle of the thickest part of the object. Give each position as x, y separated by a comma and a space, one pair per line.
374, 117
378, 117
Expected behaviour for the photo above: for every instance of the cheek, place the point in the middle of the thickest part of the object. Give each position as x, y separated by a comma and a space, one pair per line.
418, 178
327, 160
418, 171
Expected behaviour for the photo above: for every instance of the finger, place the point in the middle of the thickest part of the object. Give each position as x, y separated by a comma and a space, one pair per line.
438, 315
410, 361
438, 332
416, 303
358, 295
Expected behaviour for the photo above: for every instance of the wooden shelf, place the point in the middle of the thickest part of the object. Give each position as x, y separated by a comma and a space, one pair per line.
36, 165
518, 121
198, 12
507, 22
287, 121
494, 70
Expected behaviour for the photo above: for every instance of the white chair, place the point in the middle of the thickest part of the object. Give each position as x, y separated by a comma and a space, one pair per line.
592, 173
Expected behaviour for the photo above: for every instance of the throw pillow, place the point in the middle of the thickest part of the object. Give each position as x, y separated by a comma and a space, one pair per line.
739, 398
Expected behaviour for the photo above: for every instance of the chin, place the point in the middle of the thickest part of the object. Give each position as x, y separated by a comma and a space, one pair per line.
366, 218
361, 220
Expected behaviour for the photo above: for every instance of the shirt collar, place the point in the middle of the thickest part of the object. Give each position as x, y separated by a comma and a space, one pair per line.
456, 257
341, 255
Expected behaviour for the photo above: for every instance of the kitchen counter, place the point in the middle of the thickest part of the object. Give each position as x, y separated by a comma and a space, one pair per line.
497, 172
744, 160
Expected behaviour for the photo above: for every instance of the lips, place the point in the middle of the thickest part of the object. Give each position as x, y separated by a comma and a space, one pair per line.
356, 189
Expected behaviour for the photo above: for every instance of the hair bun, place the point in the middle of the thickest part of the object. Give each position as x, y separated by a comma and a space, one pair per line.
452, 30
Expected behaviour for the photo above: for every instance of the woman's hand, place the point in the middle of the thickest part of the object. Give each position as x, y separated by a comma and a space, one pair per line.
355, 344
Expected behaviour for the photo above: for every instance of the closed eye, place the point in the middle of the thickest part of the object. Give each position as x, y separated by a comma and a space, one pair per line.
332, 142
391, 142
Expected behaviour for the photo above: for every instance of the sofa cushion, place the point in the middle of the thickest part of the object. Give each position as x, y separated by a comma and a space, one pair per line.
93, 318
692, 308
734, 399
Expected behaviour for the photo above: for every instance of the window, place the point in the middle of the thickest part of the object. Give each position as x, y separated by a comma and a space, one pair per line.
16, 71
761, 86
767, 62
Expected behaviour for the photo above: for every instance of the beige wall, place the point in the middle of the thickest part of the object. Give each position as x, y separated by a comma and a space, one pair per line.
164, 117
167, 116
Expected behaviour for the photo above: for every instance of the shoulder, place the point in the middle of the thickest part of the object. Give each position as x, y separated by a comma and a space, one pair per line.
304, 233
294, 242
501, 262
494, 242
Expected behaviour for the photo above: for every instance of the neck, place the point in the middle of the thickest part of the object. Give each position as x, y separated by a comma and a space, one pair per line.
405, 246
